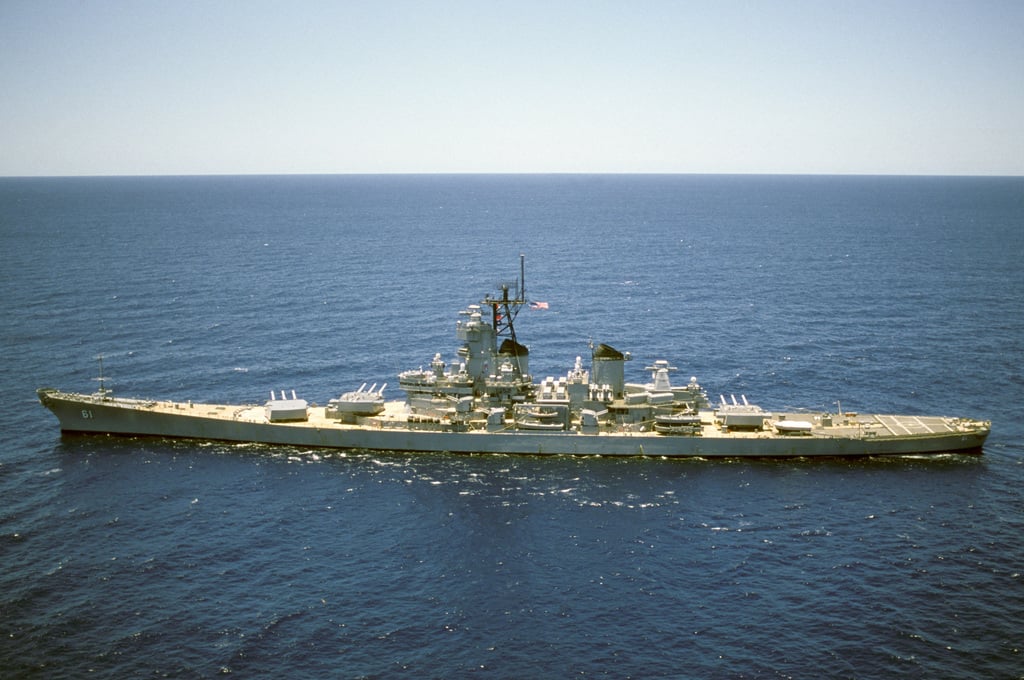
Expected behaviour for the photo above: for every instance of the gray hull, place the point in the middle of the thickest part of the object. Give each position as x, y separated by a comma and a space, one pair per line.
865, 435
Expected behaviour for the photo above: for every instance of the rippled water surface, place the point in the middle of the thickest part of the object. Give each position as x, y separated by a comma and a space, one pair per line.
132, 557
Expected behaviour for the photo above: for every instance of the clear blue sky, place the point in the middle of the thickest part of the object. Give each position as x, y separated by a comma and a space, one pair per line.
95, 87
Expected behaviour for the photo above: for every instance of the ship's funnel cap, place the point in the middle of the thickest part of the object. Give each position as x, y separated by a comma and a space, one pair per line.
603, 351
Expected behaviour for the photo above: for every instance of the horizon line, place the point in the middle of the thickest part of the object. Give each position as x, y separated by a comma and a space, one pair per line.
509, 174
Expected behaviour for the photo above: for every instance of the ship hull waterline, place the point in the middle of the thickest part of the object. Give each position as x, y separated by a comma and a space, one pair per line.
89, 414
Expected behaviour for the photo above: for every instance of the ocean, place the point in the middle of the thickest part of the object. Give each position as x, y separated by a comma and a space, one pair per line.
141, 557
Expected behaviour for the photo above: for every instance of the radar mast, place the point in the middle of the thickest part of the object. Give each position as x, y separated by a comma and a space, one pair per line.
505, 309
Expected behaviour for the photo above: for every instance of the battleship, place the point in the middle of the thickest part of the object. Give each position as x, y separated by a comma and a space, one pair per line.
486, 401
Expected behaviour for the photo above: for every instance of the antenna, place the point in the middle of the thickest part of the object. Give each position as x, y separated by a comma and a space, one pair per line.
103, 393
522, 276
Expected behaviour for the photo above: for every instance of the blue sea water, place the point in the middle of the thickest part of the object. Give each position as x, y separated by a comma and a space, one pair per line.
134, 557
